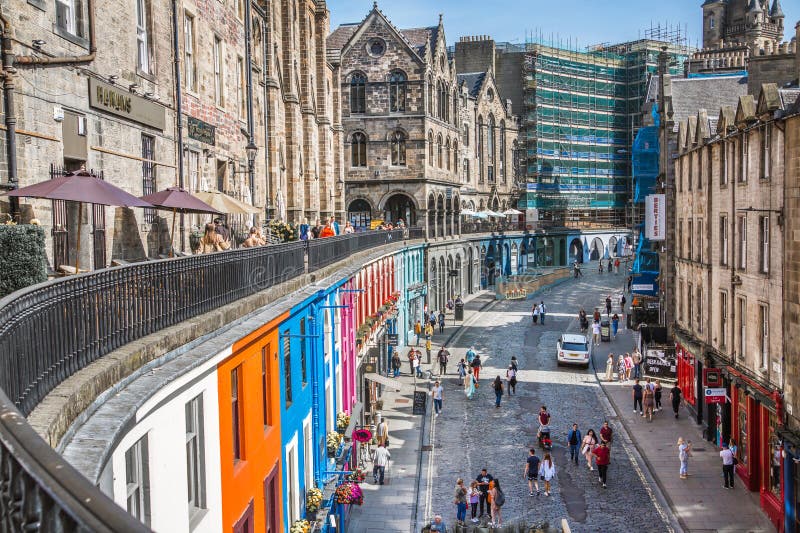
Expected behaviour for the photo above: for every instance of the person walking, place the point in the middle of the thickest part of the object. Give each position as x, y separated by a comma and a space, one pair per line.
514, 363
532, 471
498, 391
382, 432
684, 452
648, 400
483, 479
438, 395
616, 266
476, 367
610, 367
675, 396
441, 321
608, 305
589, 442
596, 333
657, 390
474, 498
547, 471
542, 312
574, 440
596, 315
411, 367
470, 355
380, 462
622, 301
606, 434
511, 376
609, 265
629, 366
443, 356
396, 364
638, 394
727, 466
460, 499
630, 282
621, 368
602, 456
535, 313
600, 266
417, 364
428, 348
428, 330
636, 359
614, 325
472, 382
462, 371
498, 499
418, 330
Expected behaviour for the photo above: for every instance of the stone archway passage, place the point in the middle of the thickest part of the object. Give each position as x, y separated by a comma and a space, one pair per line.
597, 249
359, 213
576, 250
400, 206
612, 247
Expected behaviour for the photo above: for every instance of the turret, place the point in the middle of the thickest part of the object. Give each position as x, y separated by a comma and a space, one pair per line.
776, 15
713, 22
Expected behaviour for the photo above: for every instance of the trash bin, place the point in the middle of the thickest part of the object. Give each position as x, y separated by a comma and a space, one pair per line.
605, 331
459, 311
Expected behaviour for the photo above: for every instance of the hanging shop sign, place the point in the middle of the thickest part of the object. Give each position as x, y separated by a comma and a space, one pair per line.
655, 221
201, 131
123, 103
715, 395
392, 339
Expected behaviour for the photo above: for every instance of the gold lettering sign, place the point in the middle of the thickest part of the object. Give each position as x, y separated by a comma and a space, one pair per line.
118, 101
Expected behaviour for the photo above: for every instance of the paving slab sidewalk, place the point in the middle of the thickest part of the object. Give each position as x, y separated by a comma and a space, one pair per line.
392, 507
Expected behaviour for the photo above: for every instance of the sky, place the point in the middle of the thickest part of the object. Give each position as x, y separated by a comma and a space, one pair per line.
586, 22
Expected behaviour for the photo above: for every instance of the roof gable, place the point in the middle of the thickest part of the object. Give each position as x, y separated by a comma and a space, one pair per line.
769, 100
726, 120
745, 111
702, 129
374, 16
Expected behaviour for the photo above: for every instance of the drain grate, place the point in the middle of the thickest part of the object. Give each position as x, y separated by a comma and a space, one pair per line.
402, 400
427, 448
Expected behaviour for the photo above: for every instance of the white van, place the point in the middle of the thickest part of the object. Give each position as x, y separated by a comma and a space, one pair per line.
573, 349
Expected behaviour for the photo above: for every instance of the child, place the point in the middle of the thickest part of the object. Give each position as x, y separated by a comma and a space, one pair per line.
474, 497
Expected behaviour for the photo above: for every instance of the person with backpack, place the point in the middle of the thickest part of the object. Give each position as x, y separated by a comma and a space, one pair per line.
498, 500
532, 471
547, 471
476, 367
462, 371
498, 391
511, 375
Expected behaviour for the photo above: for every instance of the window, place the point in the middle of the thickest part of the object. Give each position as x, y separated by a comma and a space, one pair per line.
741, 312
466, 170
690, 241
766, 148
466, 135
265, 350
503, 151
455, 155
308, 449
700, 309
137, 481
69, 16
358, 150
743, 443
397, 92
723, 164
303, 360
398, 148
680, 301
272, 503
430, 148
447, 154
237, 413
479, 147
689, 306
142, 37
743, 163
680, 238
763, 249
292, 482
742, 227
723, 320
711, 23
690, 170
195, 454
148, 174
700, 240
245, 522
287, 367
723, 240
219, 98
763, 334
358, 93
189, 65
439, 151
490, 147
240, 87
240, 9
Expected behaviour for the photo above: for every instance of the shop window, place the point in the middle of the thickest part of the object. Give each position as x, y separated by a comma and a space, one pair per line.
774, 452
287, 367
742, 441
237, 414
303, 359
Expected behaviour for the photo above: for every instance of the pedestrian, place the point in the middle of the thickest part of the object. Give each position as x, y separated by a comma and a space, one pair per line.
606, 434
574, 440
498, 500
396, 363
532, 471
684, 452
411, 365
304, 234
472, 384
460, 499
596, 315
348, 228
727, 466
600, 266
630, 282
609, 265
608, 305
542, 312
497, 385
637, 363
428, 348
596, 333
511, 376
382, 432
514, 364
622, 302
638, 394
438, 395
535, 313
483, 479
418, 330
438, 525
547, 471
614, 325
441, 321
470, 355
316, 229
428, 330
335, 226
610, 367
675, 397
629, 366
474, 498
602, 456
327, 231
476, 367
462, 371
432, 320
417, 364
380, 462
589, 442
211, 241
616, 266
657, 390
584, 321
648, 400
443, 356
621, 368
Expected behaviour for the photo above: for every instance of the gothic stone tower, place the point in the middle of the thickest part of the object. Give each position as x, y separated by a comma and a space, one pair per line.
753, 23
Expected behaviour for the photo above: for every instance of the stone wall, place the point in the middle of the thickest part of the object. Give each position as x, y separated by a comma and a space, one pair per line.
791, 269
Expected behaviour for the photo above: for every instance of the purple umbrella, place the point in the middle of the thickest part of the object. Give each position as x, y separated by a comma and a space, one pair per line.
80, 186
177, 199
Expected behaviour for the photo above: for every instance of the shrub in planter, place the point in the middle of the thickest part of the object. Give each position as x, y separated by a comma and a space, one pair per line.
24, 261
313, 500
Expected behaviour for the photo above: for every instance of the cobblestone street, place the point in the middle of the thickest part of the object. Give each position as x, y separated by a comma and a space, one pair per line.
473, 434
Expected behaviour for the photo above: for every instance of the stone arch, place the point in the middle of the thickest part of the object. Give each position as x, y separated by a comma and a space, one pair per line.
514, 259
576, 250
359, 213
440, 227
597, 249
431, 215
399, 205
612, 247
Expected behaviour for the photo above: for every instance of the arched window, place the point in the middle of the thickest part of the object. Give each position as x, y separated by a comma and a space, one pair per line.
447, 153
397, 91
455, 109
479, 148
439, 151
430, 97
358, 150
465, 140
490, 148
503, 151
398, 142
455, 155
358, 93
430, 148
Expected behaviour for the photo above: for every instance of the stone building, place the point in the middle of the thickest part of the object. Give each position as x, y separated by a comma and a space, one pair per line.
729, 247
90, 89
405, 116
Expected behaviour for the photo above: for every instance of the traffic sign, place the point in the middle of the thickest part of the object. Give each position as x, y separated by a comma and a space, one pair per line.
715, 395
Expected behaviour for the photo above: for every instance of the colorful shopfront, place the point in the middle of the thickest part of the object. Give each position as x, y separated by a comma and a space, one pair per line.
687, 373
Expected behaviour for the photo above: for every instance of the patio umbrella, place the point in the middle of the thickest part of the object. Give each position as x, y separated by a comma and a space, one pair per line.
481, 214
494, 213
512, 211
177, 200
222, 203
80, 186
468, 212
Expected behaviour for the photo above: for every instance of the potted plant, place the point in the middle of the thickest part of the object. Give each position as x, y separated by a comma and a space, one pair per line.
342, 421
332, 442
356, 476
349, 493
300, 526
313, 502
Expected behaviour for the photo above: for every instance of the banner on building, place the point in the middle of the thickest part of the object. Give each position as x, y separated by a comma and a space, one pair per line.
660, 364
655, 221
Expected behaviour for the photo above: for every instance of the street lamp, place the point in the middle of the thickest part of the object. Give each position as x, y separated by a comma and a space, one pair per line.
251, 150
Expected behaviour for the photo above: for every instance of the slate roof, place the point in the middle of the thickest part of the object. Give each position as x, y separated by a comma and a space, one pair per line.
473, 81
419, 38
789, 97
690, 95
339, 37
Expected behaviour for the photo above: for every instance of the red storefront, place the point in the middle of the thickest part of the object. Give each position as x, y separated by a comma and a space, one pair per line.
756, 413
686, 373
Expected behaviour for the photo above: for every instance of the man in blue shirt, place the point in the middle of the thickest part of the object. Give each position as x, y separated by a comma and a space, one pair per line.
438, 524
574, 440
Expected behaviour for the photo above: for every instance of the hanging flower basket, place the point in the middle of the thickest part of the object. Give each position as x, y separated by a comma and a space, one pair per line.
300, 526
356, 476
362, 435
313, 500
332, 442
349, 493
342, 421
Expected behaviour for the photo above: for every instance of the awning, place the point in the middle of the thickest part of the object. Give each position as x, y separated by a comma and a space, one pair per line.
389, 382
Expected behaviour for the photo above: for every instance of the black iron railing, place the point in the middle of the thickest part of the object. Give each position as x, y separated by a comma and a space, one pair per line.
323, 252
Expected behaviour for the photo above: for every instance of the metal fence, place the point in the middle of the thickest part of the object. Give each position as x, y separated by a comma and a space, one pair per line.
50, 331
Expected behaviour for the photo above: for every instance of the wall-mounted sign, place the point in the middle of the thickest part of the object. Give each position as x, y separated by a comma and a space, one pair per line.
201, 131
125, 104
392, 339
655, 222
715, 395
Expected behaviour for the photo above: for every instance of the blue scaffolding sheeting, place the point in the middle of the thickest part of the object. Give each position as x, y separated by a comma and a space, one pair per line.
645, 163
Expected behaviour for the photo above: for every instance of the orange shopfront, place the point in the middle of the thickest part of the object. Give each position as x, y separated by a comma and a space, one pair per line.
755, 417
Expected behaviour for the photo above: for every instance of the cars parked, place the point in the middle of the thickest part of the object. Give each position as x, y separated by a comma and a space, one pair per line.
573, 349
